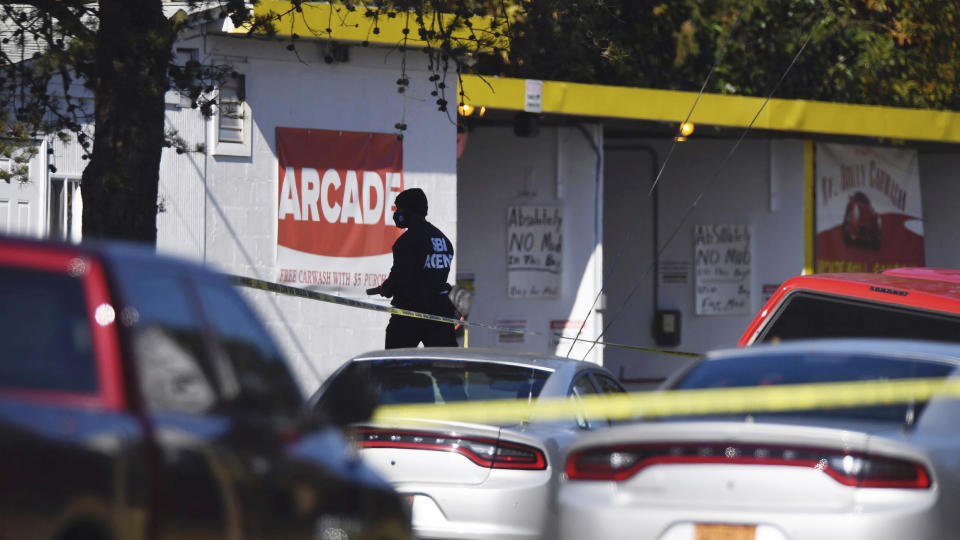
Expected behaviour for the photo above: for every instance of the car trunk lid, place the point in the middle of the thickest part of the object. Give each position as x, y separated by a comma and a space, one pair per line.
746, 466
428, 452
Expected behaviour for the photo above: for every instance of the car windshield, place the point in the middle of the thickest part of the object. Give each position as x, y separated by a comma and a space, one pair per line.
444, 381
809, 368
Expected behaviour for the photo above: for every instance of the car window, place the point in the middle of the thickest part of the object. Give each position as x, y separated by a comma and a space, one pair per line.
583, 386
168, 341
442, 381
809, 368
809, 315
44, 332
607, 384
259, 369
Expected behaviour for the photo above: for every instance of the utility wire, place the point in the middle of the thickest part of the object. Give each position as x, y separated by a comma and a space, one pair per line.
713, 68
709, 182
716, 62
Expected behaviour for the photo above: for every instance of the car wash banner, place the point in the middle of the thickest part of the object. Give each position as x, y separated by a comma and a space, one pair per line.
335, 225
868, 211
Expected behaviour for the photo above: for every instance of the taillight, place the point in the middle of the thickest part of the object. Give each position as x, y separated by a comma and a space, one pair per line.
618, 463
482, 451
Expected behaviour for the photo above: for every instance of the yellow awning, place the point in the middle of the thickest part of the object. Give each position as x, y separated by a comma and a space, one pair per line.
600, 101
821, 117
315, 18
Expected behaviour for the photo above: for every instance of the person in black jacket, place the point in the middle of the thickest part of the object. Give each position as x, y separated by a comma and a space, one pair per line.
418, 279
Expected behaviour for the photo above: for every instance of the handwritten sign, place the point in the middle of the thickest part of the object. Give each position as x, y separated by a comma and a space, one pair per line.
722, 260
534, 251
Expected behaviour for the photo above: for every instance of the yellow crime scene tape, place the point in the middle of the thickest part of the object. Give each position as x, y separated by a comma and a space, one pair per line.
334, 299
754, 399
636, 405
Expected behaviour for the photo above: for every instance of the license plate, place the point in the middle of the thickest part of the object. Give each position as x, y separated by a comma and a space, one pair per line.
724, 531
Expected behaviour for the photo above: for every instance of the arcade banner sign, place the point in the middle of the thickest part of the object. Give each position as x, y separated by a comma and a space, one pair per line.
335, 206
868, 209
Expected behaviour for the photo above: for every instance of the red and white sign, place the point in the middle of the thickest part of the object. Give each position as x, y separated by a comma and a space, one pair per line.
868, 210
335, 206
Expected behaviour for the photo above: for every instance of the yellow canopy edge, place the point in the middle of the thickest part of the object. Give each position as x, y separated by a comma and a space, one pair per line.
355, 26
602, 101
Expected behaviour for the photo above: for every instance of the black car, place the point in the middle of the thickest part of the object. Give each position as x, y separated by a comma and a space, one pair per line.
141, 398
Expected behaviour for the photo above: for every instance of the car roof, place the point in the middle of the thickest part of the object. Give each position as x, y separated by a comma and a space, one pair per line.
929, 289
920, 280
904, 288
119, 253
951, 275
477, 354
114, 252
895, 348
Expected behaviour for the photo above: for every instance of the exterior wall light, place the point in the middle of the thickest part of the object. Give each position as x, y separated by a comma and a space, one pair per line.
686, 129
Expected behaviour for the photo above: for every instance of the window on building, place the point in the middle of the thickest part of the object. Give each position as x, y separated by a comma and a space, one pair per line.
65, 209
183, 57
231, 109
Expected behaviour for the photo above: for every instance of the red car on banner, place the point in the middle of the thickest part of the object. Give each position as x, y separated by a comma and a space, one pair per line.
861, 223
868, 208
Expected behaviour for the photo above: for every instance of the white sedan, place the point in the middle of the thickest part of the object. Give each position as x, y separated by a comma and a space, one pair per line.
466, 480
877, 472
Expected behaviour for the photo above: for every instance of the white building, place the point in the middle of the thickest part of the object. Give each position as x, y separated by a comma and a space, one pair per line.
584, 178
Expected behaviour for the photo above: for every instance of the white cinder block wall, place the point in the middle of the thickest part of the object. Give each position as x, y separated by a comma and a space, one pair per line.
223, 209
557, 168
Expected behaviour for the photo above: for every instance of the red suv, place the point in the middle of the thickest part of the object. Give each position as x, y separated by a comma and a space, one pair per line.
141, 398
920, 303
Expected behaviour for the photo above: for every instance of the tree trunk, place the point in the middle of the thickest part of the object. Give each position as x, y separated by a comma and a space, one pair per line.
119, 185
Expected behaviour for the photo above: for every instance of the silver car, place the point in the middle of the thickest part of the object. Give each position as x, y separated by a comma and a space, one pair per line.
466, 480
877, 472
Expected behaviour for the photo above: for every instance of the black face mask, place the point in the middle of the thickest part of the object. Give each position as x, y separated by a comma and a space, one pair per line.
400, 219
